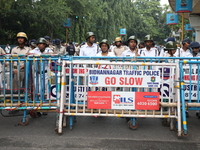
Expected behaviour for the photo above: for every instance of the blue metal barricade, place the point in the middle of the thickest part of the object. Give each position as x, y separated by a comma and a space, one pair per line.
27, 85
190, 88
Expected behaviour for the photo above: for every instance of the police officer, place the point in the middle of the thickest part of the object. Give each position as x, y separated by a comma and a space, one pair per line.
163, 51
2, 52
20, 49
77, 49
195, 47
32, 43
149, 50
119, 49
49, 44
59, 49
132, 50
184, 51
42, 47
170, 47
90, 48
105, 49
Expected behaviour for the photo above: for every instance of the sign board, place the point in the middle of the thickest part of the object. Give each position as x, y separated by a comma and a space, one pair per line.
122, 31
171, 19
123, 100
124, 78
67, 23
183, 6
188, 27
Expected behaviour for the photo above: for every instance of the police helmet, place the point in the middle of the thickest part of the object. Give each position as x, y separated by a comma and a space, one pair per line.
47, 37
41, 41
148, 38
89, 34
171, 39
132, 38
57, 41
186, 41
171, 45
22, 35
104, 41
194, 45
118, 39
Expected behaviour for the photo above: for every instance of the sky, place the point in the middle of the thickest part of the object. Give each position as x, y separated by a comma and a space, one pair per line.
164, 2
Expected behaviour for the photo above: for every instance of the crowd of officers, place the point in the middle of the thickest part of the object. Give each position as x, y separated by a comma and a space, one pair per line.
117, 49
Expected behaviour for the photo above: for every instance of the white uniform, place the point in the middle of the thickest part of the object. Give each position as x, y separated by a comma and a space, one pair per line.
129, 53
183, 53
110, 54
38, 52
153, 52
86, 50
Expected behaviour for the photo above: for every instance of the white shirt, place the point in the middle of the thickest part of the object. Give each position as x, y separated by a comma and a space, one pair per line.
110, 54
86, 50
183, 53
7, 49
38, 52
153, 52
128, 53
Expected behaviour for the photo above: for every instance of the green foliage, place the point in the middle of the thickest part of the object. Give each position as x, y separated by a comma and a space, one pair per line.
103, 17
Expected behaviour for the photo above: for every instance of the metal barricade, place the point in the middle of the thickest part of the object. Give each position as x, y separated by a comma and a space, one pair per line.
190, 88
26, 85
119, 87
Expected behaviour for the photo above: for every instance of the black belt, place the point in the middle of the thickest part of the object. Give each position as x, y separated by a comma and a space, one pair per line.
42, 72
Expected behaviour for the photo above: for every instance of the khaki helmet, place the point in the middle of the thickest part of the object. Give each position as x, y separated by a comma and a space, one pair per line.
118, 39
89, 34
132, 38
148, 38
171, 45
22, 35
41, 41
104, 41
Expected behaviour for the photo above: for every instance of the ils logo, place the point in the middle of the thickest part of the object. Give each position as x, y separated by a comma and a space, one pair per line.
94, 80
153, 79
116, 99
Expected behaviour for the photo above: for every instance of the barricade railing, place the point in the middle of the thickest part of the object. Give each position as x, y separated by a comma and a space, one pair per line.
190, 88
26, 84
120, 87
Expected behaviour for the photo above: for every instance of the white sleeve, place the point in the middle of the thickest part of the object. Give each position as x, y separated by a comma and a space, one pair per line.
81, 52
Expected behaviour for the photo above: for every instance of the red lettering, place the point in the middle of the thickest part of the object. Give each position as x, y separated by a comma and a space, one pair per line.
131, 81
121, 79
126, 81
113, 80
186, 77
67, 70
107, 81
138, 81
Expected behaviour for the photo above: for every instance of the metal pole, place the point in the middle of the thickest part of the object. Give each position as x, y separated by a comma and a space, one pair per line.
67, 32
182, 27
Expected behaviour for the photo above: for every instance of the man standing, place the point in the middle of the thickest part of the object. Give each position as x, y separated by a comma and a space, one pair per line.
184, 51
149, 50
47, 38
132, 51
59, 49
21, 49
104, 49
90, 48
70, 49
119, 49
7, 49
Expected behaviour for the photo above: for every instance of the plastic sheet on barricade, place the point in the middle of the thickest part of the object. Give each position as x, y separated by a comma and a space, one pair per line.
25, 85
120, 87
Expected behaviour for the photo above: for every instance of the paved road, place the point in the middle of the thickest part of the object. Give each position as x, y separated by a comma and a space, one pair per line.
92, 133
